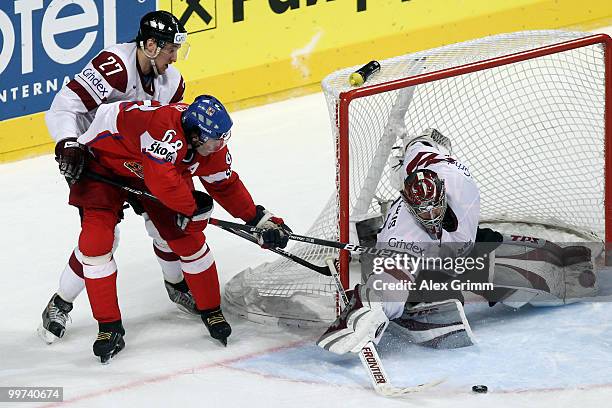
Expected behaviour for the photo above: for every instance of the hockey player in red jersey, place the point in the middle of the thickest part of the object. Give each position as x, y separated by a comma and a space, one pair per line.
159, 148
139, 70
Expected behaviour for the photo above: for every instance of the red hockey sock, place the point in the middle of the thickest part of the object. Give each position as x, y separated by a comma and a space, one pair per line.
205, 288
101, 284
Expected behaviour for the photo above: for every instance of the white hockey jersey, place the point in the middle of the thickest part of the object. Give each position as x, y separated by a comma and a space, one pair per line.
113, 75
403, 232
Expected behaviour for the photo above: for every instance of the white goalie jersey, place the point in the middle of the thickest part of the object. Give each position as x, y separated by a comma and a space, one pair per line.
403, 232
113, 75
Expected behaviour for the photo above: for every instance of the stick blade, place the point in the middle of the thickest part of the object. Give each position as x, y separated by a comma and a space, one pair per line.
399, 392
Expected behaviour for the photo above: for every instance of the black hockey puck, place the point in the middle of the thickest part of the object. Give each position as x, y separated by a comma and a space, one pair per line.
480, 389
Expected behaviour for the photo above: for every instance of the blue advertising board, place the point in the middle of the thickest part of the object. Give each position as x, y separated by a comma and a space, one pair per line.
44, 43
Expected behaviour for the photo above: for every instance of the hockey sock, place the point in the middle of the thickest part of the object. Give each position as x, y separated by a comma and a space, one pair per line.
169, 262
101, 283
201, 276
71, 281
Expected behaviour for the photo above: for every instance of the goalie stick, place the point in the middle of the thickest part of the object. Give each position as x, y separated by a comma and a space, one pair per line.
368, 355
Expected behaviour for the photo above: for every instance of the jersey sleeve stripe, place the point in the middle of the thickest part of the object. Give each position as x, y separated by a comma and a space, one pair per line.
82, 93
220, 176
180, 90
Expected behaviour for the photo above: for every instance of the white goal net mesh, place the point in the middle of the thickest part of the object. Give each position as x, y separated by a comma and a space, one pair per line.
531, 133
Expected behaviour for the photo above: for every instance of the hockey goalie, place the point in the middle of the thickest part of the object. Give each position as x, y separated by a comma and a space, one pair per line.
434, 222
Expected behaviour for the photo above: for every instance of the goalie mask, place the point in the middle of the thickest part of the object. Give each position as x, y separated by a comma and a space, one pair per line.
425, 197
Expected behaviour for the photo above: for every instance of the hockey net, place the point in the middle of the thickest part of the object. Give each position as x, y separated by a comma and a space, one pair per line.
526, 112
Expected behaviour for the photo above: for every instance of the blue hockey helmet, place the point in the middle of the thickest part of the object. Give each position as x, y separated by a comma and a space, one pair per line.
210, 120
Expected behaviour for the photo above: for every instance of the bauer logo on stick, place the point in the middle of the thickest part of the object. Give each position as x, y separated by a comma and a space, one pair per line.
358, 77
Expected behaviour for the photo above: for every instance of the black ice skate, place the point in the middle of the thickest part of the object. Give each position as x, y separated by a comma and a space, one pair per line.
54, 318
109, 341
179, 293
216, 324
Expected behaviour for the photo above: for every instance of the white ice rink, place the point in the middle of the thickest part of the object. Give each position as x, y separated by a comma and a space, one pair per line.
534, 357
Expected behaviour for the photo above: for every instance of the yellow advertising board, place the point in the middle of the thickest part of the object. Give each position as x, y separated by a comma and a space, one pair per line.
248, 52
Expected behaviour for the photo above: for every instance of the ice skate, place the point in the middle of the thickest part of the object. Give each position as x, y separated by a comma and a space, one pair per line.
109, 341
216, 324
54, 319
179, 294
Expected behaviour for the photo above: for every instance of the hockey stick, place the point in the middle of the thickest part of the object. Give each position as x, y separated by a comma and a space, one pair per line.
368, 355
139, 193
310, 240
323, 270
248, 228
507, 239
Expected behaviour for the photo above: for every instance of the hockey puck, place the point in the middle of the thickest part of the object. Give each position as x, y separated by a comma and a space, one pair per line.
480, 389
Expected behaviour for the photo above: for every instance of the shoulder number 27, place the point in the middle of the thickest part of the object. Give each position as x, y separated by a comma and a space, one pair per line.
111, 63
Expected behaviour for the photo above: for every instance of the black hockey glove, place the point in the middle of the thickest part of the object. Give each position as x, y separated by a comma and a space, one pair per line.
276, 234
135, 203
71, 157
198, 221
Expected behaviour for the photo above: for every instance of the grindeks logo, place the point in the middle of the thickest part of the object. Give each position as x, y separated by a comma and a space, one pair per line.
89, 75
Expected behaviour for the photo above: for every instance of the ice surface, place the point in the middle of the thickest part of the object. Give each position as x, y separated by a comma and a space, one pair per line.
534, 357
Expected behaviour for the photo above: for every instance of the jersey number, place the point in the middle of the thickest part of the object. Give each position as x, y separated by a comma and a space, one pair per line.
144, 106
111, 63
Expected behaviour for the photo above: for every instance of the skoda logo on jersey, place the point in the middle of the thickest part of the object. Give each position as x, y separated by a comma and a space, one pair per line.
156, 149
43, 44
160, 150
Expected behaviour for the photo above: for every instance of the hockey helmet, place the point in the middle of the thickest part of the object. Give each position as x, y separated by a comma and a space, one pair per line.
425, 196
210, 120
163, 27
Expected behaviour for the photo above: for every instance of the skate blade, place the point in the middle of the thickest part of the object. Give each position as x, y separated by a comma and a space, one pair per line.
104, 360
46, 335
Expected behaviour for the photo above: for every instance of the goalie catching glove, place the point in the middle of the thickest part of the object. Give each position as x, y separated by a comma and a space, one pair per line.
71, 157
276, 234
199, 219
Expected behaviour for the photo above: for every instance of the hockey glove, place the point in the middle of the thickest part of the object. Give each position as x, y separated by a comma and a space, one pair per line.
276, 234
135, 203
198, 221
72, 157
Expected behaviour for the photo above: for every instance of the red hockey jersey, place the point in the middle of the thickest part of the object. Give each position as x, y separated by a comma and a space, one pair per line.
145, 140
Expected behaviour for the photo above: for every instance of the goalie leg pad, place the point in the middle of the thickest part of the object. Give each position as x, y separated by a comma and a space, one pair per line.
439, 325
551, 275
362, 320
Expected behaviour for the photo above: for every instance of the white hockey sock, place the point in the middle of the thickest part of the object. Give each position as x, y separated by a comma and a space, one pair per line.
70, 283
170, 262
